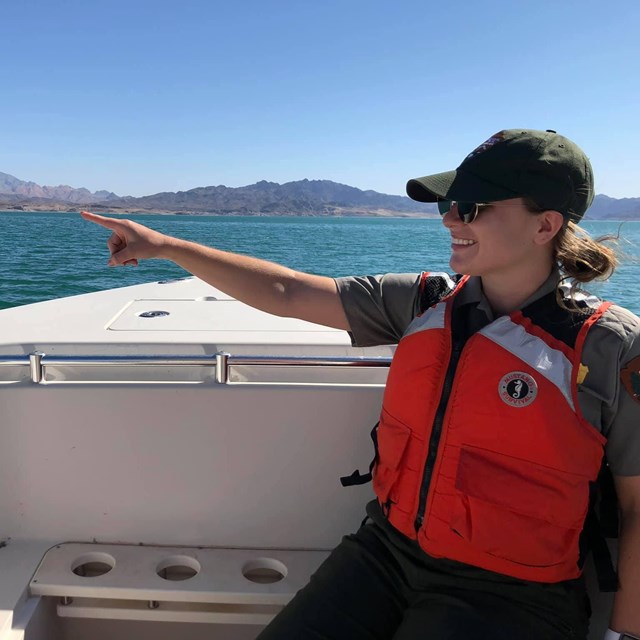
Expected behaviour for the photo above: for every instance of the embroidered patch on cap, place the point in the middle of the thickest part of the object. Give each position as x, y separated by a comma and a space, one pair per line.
630, 378
487, 144
518, 389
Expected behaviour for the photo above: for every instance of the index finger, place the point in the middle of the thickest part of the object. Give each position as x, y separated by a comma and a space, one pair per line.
109, 223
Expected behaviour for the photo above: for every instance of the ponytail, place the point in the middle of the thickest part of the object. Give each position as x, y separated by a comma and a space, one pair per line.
580, 257
583, 258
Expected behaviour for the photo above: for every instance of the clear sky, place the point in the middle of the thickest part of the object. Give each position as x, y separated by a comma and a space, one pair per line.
142, 96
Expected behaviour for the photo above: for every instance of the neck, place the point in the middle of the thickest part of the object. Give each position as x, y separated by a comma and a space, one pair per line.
507, 291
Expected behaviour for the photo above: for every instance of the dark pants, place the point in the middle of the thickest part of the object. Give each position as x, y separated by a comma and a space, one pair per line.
372, 588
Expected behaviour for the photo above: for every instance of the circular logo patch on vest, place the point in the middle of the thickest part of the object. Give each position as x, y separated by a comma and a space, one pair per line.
518, 389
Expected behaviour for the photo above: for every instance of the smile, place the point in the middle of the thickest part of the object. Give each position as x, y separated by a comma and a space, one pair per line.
462, 241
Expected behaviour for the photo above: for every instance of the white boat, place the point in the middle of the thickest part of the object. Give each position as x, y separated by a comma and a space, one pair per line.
170, 463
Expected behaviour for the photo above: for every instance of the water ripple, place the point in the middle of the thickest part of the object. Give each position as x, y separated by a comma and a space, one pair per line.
59, 254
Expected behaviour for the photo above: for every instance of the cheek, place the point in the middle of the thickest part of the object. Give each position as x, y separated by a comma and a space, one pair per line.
508, 239
502, 248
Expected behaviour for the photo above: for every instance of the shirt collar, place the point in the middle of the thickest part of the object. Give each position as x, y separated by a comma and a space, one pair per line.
549, 285
472, 293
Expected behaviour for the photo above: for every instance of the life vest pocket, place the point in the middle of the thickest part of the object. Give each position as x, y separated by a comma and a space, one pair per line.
518, 510
393, 438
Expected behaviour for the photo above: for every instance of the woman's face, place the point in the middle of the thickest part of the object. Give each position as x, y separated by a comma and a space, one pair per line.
502, 238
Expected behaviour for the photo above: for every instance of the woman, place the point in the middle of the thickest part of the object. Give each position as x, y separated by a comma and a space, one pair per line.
505, 391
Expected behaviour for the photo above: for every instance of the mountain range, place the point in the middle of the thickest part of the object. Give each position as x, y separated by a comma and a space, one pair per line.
302, 198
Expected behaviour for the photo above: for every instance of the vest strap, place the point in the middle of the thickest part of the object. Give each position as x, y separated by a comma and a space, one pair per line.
605, 572
356, 477
608, 512
602, 523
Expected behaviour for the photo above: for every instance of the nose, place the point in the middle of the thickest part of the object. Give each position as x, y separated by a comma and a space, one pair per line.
451, 218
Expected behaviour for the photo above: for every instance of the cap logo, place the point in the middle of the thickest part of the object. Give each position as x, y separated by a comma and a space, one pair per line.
487, 144
518, 389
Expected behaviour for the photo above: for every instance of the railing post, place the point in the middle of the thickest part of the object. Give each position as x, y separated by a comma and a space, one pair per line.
35, 364
222, 367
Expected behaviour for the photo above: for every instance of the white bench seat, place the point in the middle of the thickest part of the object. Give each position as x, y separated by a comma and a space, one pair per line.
179, 584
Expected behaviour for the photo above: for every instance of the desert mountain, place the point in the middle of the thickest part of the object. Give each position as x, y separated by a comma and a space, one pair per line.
303, 197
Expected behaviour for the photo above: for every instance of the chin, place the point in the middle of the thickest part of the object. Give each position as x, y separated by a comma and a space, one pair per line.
462, 266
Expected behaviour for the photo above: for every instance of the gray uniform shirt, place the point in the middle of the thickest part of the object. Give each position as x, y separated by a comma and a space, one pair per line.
379, 309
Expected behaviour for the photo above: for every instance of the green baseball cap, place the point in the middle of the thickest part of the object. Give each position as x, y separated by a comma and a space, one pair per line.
542, 165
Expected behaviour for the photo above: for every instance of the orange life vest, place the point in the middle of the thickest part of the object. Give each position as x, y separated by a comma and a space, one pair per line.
484, 456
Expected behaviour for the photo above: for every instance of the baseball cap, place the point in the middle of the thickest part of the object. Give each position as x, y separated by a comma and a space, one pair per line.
542, 165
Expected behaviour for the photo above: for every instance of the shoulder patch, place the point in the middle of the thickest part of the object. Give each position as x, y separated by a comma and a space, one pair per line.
630, 378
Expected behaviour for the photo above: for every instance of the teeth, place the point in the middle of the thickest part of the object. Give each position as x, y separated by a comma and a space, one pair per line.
462, 241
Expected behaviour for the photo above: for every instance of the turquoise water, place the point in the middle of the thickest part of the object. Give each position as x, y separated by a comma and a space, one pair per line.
50, 255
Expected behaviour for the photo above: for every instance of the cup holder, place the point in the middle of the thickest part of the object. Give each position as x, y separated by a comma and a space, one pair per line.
177, 568
93, 565
264, 571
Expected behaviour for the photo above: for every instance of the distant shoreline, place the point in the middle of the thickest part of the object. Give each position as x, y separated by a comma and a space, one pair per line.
237, 214
380, 213
300, 198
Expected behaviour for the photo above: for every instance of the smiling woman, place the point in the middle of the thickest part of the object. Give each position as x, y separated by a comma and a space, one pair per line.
511, 250
497, 414
497, 400
580, 258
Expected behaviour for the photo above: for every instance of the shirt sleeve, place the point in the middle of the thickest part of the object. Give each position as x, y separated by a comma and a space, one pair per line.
607, 353
379, 308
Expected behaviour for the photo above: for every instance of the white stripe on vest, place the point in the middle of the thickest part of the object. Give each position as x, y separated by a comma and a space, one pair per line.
548, 362
431, 319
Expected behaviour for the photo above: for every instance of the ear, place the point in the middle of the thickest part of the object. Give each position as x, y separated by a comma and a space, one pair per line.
549, 224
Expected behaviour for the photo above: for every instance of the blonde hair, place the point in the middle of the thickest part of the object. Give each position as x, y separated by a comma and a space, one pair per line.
580, 257
583, 258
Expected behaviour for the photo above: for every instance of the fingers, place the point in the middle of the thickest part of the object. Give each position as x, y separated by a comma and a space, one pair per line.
115, 243
122, 257
109, 223
125, 241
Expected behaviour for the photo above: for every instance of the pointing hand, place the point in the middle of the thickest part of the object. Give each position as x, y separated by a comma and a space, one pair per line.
129, 241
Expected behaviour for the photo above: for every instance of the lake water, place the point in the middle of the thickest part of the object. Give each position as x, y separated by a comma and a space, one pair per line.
51, 255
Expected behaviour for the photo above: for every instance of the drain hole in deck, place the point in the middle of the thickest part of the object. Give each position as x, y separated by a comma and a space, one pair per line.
264, 571
178, 568
93, 565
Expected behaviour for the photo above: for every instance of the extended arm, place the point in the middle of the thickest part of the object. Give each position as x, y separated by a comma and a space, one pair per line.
626, 606
265, 285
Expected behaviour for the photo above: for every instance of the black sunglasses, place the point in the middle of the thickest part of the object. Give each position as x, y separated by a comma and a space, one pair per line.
468, 211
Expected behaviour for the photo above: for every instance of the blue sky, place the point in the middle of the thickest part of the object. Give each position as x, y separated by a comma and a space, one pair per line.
138, 97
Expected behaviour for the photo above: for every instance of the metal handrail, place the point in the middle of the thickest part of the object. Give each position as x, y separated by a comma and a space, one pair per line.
222, 361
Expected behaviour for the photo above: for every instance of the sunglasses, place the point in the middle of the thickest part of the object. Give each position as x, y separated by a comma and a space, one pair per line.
468, 211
